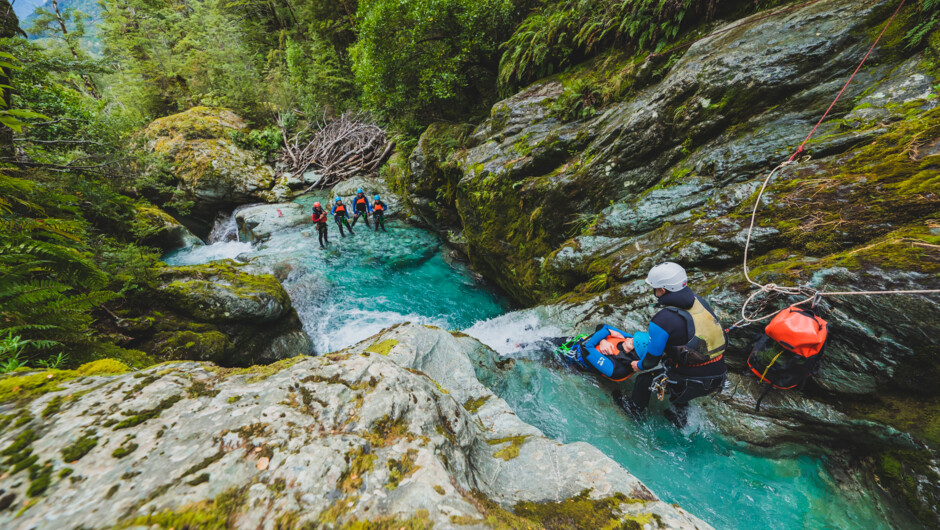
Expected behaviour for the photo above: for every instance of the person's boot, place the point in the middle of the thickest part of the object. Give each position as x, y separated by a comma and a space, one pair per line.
627, 404
678, 415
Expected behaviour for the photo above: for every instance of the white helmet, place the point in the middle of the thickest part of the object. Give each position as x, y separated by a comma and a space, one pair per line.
669, 276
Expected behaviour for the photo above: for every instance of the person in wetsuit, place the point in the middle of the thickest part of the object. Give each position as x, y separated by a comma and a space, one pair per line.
686, 337
319, 218
378, 213
361, 207
607, 352
341, 216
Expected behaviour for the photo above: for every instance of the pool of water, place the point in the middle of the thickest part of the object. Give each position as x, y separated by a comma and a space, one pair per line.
370, 281
364, 283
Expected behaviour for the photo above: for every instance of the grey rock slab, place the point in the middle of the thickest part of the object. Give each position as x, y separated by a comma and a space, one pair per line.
312, 440
257, 223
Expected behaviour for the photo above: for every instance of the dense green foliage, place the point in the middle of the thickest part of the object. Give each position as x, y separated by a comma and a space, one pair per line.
423, 56
927, 25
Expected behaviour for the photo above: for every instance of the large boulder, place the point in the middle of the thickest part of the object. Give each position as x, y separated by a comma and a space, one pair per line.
163, 230
257, 223
372, 186
529, 179
215, 312
206, 163
361, 437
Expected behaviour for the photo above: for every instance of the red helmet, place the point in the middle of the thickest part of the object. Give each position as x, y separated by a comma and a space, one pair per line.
316, 205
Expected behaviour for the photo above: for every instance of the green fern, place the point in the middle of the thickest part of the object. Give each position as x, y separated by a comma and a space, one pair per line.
48, 286
561, 33
929, 22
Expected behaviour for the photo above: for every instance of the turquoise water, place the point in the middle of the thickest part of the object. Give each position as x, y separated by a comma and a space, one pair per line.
365, 283
696, 468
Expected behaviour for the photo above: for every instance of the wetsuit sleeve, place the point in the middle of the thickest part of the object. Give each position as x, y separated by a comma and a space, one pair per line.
333, 211
654, 354
594, 357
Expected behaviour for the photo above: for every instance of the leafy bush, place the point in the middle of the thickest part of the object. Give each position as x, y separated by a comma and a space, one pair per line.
268, 141
422, 59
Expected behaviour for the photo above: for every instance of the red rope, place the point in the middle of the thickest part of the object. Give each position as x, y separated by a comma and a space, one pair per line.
799, 150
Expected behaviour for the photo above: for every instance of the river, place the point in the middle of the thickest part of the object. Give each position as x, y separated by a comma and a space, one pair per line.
367, 282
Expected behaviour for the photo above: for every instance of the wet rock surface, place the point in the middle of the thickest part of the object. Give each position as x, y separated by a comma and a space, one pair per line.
257, 223
377, 433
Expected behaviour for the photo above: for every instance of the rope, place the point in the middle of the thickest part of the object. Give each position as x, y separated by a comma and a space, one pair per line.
814, 295
799, 150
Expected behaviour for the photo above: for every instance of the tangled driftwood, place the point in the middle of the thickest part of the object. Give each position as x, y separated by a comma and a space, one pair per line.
337, 149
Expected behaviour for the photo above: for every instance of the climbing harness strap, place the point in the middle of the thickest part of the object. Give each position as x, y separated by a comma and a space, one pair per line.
706, 363
659, 385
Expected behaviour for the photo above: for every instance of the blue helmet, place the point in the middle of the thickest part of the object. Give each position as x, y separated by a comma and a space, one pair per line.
377, 198
359, 191
641, 343
339, 199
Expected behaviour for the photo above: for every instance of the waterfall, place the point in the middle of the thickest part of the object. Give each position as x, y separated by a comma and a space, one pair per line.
224, 228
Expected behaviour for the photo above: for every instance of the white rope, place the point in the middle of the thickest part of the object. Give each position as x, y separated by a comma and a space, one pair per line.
814, 294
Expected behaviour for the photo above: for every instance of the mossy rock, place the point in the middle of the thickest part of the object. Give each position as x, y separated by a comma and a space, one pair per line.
29, 385
197, 122
221, 292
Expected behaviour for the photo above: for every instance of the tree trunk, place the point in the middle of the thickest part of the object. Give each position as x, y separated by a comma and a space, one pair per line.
9, 28
65, 36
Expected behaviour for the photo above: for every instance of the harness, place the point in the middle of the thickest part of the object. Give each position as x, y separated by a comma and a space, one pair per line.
707, 342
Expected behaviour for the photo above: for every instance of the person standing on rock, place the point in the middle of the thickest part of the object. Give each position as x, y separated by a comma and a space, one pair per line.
341, 216
378, 213
687, 339
319, 217
361, 207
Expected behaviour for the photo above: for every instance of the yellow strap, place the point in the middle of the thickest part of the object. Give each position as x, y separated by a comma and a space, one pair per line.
769, 365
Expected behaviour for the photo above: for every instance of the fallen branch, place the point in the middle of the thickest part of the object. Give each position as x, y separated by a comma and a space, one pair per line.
337, 149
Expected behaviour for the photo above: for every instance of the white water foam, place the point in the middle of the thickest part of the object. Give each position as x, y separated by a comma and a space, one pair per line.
507, 333
206, 253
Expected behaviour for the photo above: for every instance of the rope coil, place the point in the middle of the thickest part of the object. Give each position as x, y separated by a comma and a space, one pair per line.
812, 295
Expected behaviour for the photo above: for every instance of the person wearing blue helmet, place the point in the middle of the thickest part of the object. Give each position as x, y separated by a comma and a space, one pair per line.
682, 352
378, 213
341, 216
361, 207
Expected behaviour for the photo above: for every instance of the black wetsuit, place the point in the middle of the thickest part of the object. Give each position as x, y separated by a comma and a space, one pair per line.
319, 217
378, 212
686, 382
361, 209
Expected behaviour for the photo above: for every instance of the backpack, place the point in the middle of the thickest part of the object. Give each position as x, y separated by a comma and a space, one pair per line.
789, 351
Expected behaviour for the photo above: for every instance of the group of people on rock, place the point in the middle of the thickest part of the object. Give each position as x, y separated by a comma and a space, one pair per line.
361, 207
681, 354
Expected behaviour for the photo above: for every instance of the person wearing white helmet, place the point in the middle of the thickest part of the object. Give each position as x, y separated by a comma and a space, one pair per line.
684, 342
